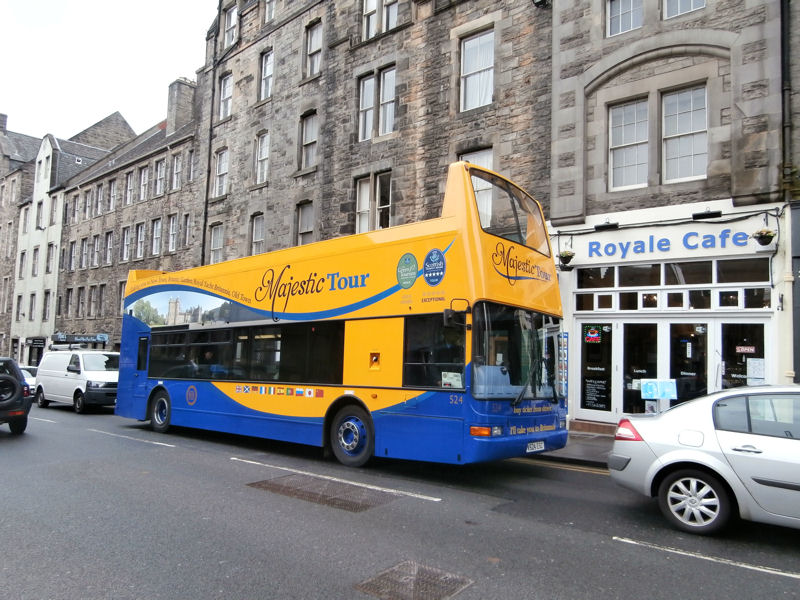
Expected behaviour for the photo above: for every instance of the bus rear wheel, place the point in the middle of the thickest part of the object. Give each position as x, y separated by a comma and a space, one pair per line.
352, 436
160, 412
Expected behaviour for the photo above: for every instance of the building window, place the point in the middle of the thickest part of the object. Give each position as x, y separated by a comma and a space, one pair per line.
269, 10
35, 262
32, 307
26, 216
187, 230
80, 309
177, 167
379, 16
112, 195
231, 25
156, 237
216, 244
109, 247
125, 245
101, 298
72, 255
87, 205
161, 176
190, 158
98, 200
262, 157
313, 49
373, 202
225, 96
39, 214
628, 152
76, 208
623, 15
221, 175
92, 301
144, 182
19, 307
265, 90
383, 97
121, 296
305, 223
84, 253
477, 70
68, 302
96, 250
172, 233
128, 188
46, 306
673, 8
685, 135
53, 209
49, 257
309, 141
256, 234
139, 230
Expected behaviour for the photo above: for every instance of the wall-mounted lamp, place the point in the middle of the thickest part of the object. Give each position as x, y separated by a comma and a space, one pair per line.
707, 214
605, 226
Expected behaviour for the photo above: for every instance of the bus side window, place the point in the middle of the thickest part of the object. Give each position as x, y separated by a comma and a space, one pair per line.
433, 354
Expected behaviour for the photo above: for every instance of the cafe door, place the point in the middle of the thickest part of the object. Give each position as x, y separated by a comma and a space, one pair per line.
701, 356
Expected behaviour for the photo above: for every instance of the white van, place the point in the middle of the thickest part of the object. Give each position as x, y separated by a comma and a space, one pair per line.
78, 377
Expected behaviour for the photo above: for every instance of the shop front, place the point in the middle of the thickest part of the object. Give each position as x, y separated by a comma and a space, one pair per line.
685, 306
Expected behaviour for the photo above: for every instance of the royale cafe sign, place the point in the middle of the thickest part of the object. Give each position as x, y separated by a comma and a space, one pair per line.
650, 244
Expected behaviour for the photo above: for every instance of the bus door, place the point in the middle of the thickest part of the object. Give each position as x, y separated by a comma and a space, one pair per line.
132, 386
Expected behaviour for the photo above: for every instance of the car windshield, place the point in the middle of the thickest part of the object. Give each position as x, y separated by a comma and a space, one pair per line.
101, 362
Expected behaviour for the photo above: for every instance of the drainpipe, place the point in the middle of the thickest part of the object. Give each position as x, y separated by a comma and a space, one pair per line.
210, 132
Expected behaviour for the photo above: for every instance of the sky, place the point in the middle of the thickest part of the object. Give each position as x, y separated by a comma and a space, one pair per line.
67, 64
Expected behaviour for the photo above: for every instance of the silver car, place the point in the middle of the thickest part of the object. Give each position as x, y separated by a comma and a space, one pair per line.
709, 459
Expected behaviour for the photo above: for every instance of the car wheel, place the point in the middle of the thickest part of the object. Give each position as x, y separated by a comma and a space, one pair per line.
18, 426
41, 402
79, 403
694, 501
352, 437
160, 412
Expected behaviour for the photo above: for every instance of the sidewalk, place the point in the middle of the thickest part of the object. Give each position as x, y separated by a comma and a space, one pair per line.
584, 448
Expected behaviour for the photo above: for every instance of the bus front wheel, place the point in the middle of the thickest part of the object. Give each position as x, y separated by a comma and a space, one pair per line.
160, 412
352, 436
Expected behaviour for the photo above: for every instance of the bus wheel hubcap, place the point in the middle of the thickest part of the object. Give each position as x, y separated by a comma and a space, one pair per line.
351, 434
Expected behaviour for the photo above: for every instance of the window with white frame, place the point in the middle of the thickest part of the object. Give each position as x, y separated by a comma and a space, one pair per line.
144, 182
257, 234
262, 157
125, 244
685, 135
673, 8
628, 147
49, 257
87, 205
623, 15
187, 230
313, 49
68, 302
370, 97
109, 246
81, 307
172, 233
96, 250
155, 229
139, 229
265, 89
19, 307
269, 10
26, 217
221, 173
92, 301
98, 200
305, 223
128, 188
477, 70
374, 202
309, 130
22, 262
39, 214
231, 25
378, 16
84, 253
53, 209
35, 262
46, 306
121, 296
216, 244
161, 176
177, 168
32, 307
225, 95
112, 195
72, 255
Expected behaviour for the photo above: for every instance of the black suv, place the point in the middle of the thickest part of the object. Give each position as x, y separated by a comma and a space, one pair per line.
15, 396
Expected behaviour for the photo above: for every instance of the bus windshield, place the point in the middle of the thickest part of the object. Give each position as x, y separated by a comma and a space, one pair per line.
514, 354
508, 212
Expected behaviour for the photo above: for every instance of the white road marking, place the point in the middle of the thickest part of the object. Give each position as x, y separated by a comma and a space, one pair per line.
338, 480
127, 437
43, 420
724, 561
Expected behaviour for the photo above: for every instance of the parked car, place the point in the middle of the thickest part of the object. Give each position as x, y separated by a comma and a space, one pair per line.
78, 377
735, 452
15, 396
29, 373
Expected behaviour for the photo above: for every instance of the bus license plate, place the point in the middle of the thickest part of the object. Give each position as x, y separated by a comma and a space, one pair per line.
535, 446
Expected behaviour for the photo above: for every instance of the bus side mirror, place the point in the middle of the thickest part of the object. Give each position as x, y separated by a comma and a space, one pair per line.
454, 318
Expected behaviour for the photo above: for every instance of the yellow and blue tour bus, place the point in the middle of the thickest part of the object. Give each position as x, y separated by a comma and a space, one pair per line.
434, 341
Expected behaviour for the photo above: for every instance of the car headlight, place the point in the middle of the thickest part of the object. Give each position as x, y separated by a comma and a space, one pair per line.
96, 384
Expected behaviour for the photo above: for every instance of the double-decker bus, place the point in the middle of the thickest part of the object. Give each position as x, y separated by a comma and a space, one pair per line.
433, 341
